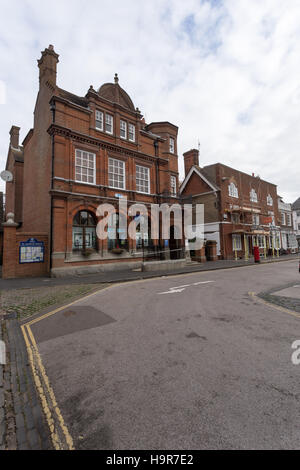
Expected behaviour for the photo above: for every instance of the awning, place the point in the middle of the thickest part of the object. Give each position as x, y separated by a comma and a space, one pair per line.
239, 231
260, 232
255, 232
243, 209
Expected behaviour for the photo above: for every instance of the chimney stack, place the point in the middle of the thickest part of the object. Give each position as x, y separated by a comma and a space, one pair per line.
48, 65
191, 158
14, 137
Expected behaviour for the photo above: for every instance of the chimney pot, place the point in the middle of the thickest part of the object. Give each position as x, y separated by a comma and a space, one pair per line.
14, 136
48, 65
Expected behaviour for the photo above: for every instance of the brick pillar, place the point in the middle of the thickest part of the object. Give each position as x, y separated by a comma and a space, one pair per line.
10, 252
200, 255
212, 249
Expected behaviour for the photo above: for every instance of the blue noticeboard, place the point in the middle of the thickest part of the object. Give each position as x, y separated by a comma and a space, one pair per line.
32, 251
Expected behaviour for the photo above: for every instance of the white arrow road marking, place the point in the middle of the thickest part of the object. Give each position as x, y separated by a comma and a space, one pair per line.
172, 291
180, 289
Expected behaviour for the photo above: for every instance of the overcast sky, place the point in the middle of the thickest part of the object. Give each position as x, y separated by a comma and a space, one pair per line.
226, 72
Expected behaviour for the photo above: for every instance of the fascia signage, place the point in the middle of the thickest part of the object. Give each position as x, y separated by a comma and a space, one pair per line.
32, 251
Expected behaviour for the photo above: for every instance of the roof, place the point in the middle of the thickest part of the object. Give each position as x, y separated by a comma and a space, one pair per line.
79, 100
296, 205
114, 93
109, 91
239, 171
201, 173
16, 155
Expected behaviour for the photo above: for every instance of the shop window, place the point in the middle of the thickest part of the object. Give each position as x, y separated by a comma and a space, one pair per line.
236, 242
117, 233
84, 231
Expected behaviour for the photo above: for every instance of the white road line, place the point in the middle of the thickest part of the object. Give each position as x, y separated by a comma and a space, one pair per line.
206, 282
180, 289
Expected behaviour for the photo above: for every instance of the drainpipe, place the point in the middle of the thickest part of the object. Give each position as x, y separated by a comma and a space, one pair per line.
52, 109
157, 172
157, 190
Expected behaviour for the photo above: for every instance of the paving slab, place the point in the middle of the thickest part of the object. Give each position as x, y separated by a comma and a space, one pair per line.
290, 292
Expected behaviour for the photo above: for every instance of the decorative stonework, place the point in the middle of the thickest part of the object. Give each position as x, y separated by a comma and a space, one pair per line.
10, 222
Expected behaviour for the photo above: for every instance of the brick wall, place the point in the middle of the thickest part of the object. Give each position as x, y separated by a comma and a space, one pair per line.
11, 265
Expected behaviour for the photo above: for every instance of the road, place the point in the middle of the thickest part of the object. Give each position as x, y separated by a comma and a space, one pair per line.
184, 363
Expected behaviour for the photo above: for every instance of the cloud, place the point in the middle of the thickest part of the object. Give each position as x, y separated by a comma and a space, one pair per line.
224, 72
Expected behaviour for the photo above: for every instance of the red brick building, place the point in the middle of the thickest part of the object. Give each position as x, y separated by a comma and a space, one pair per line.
1, 227
80, 153
240, 210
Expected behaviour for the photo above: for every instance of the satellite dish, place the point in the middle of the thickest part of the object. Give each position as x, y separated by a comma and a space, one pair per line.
7, 176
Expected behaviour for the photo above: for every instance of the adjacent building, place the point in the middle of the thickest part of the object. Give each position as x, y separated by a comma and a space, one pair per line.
240, 210
296, 219
84, 151
288, 237
1, 226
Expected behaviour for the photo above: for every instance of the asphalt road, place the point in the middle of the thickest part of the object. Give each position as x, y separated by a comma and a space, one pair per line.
181, 363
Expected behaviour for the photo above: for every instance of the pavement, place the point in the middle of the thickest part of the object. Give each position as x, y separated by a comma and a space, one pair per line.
22, 422
186, 362
286, 296
129, 275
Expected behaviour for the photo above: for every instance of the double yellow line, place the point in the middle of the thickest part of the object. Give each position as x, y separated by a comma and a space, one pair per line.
60, 435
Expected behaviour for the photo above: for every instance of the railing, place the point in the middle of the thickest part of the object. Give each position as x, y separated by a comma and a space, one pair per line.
160, 253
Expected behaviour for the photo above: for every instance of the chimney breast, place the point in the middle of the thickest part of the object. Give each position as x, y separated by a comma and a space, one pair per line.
191, 158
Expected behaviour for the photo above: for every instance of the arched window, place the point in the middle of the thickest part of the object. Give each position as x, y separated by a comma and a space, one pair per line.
269, 200
233, 190
84, 231
117, 233
253, 196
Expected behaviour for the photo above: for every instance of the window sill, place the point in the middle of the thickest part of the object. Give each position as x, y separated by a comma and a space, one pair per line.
85, 183
145, 194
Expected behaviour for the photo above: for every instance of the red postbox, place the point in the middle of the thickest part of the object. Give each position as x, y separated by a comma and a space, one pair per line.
256, 254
